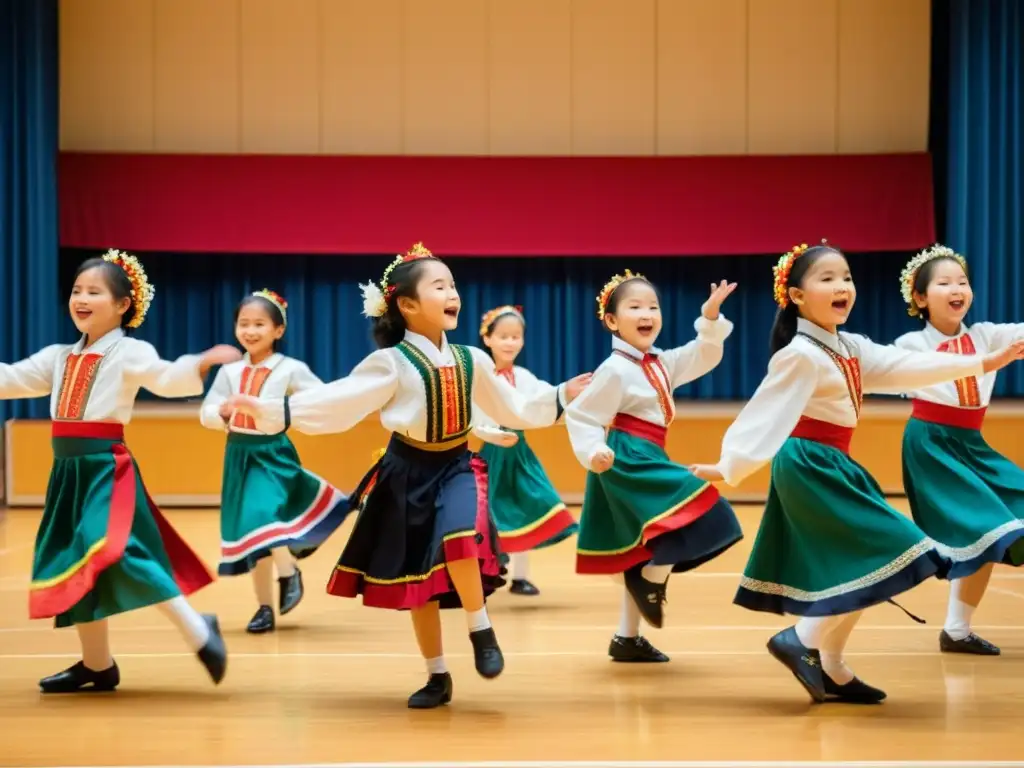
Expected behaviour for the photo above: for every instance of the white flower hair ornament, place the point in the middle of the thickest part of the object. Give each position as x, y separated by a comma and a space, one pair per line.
376, 296
909, 273
374, 304
142, 290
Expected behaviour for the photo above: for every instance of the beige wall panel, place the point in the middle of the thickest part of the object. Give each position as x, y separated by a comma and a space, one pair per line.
884, 74
445, 74
280, 76
702, 77
530, 77
793, 76
198, 90
613, 73
106, 73
362, 77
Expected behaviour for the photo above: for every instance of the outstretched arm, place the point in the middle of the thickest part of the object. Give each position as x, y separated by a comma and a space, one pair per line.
31, 377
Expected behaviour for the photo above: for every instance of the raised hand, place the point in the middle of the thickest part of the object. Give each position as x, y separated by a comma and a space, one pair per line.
575, 385
719, 293
218, 355
1008, 354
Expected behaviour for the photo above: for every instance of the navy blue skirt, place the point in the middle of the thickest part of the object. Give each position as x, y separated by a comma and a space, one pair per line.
417, 511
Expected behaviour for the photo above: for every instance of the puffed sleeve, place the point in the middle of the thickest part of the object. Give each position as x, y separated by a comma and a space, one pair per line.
538, 390
999, 335
770, 415
887, 369
503, 403
165, 378
700, 356
588, 416
31, 377
302, 378
336, 406
209, 413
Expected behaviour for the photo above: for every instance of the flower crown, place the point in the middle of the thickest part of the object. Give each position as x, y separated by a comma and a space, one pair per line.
490, 317
781, 271
909, 273
377, 296
142, 290
277, 300
609, 288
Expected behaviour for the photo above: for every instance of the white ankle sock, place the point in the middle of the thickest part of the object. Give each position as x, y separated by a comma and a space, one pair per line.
812, 630
478, 620
629, 618
520, 566
958, 613
832, 664
656, 573
436, 666
95, 641
834, 644
188, 621
284, 560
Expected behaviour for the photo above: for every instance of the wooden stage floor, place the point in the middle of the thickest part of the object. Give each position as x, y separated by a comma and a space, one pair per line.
330, 686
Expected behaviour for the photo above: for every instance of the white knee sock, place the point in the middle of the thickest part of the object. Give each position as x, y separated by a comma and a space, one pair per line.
958, 614
263, 581
436, 666
188, 621
95, 640
656, 573
833, 645
478, 620
812, 630
284, 560
629, 618
520, 566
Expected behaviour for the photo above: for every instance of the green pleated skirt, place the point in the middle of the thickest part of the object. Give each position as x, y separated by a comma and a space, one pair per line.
103, 547
526, 508
268, 500
829, 543
964, 495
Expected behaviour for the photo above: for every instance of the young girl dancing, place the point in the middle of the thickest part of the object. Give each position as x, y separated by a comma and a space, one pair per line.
424, 538
644, 515
272, 509
103, 547
829, 544
527, 509
961, 492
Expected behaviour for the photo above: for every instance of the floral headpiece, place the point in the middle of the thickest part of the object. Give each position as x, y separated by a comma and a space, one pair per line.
142, 290
909, 273
277, 300
377, 296
491, 317
781, 270
609, 288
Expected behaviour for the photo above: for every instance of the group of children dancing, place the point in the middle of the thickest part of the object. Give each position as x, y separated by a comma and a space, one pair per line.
436, 524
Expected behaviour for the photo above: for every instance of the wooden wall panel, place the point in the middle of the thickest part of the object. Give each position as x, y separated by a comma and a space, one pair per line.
106, 75
445, 73
530, 77
502, 77
884, 75
197, 102
362, 77
702, 77
613, 77
793, 90
281, 76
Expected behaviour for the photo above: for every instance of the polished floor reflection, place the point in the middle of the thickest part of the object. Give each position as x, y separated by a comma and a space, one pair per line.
330, 685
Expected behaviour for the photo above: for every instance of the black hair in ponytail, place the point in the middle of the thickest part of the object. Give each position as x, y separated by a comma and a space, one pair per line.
784, 327
389, 328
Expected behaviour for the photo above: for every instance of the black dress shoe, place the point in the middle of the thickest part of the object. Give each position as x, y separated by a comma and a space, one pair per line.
290, 592
634, 649
803, 662
214, 655
648, 596
486, 653
78, 678
970, 644
523, 587
436, 692
854, 692
261, 621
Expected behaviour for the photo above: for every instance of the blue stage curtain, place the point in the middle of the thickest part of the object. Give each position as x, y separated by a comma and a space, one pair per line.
31, 307
197, 294
978, 142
